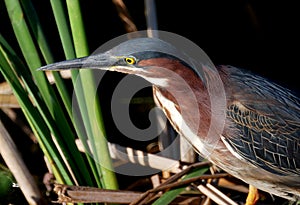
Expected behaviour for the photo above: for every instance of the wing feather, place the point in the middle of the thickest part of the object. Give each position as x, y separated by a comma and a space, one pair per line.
265, 118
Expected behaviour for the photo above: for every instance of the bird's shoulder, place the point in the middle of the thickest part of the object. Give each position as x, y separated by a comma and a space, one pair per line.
265, 118
252, 92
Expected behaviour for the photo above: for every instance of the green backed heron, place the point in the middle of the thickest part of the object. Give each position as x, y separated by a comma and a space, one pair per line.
260, 139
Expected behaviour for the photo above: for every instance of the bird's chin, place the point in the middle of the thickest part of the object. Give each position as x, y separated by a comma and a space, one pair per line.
123, 69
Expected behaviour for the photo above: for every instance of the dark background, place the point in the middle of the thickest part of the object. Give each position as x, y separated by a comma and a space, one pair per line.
257, 35
261, 36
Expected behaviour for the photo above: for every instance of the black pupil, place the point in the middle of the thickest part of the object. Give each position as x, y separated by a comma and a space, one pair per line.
129, 60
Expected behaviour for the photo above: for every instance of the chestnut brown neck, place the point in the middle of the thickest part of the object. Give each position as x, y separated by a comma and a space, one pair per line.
185, 89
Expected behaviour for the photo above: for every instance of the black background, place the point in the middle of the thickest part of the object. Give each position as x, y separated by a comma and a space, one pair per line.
261, 36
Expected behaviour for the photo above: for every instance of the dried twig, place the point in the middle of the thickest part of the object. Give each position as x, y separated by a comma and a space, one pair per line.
125, 16
7, 98
13, 116
151, 18
127, 154
216, 195
81, 194
14, 161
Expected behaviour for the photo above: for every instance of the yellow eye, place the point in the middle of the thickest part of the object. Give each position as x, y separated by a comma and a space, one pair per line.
130, 60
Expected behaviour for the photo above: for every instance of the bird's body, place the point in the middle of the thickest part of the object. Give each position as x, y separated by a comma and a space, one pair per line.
253, 145
254, 136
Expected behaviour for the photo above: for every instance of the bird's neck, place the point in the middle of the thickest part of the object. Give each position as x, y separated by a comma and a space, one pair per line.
182, 95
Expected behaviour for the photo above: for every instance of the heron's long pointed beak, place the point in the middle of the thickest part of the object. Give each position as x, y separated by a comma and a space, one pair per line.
102, 61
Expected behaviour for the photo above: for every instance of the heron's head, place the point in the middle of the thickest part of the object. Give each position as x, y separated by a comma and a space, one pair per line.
144, 57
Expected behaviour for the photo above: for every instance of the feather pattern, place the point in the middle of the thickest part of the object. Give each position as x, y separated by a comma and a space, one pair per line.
266, 117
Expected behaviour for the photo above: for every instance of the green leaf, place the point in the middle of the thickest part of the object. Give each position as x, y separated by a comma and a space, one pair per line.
169, 196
